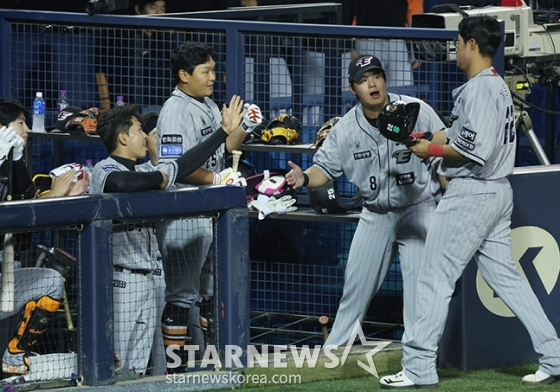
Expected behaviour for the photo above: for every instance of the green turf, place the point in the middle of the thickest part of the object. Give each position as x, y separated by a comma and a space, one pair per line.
351, 377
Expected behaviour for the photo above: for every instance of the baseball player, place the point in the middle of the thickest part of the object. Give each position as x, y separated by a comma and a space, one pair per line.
187, 119
473, 217
37, 291
399, 192
135, 248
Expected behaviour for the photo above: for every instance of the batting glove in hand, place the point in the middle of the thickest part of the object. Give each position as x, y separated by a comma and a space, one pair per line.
8, 139
252, 118
228, 177
270, 205
18, 148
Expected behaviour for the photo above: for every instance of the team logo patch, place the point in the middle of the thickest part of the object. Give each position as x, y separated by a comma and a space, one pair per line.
110, 168
206, 131
172, 139
157, 272
402, 156
364, 61
362, 155
405, 179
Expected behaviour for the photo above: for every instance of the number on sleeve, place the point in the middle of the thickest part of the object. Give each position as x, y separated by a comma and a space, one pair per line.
509, 131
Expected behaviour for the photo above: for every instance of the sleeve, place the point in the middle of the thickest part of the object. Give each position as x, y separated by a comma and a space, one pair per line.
22, 185
196, 156
129, 181
327, 158
476, 139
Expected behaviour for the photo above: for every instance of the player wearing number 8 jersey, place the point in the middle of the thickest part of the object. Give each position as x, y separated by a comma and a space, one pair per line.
473, 217
397, 187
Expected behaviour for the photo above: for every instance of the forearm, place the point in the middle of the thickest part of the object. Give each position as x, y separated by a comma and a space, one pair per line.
196, 156
235, 139
132, 181
439, 137
201, 176
316, 177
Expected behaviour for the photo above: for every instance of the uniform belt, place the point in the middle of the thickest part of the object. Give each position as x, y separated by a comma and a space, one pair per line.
140, 271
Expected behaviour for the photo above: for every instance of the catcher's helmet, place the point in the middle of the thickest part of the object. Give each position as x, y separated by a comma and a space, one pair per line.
324, 131
326, 199
397, 120
284, 129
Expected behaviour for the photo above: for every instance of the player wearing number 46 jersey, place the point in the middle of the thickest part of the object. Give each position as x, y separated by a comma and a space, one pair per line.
473, 217
399, 192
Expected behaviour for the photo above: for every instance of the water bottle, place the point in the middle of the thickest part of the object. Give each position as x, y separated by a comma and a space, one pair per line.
62, 101
88, 167
120, 101
38, 113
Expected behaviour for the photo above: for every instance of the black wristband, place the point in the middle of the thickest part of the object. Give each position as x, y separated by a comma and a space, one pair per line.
305, 179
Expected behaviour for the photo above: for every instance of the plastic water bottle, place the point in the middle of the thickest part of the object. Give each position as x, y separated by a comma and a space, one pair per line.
120, 101
88, 167
38, 113
62, 101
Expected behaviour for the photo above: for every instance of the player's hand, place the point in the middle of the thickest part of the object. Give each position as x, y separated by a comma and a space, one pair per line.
60, 185
18, 148
165, 182
295, 178
79, 187
8, 138
232, 115
252, 118
420, 149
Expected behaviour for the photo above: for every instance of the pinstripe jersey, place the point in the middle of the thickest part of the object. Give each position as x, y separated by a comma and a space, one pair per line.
386, 173
185, 122
134, 245
472, 133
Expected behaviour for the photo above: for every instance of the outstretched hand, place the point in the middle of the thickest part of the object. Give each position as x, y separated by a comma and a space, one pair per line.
294, 177
232, 114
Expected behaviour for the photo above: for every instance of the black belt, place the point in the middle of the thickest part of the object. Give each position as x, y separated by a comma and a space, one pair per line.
144, 272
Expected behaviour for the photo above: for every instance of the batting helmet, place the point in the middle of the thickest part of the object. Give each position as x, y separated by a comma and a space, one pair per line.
284, 129
397, 119
326, 199
324, 131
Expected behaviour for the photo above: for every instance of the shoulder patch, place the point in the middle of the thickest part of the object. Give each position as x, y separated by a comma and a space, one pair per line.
206, 131
172, 139
110, 168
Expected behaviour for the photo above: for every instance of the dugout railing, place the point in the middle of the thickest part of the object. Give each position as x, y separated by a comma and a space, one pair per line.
82, 226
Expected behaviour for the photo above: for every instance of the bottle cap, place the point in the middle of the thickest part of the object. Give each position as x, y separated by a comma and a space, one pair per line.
63, 92
39, 94
89, 161
120, 97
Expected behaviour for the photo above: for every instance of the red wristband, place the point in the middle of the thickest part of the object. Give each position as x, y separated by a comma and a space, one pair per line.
435, 150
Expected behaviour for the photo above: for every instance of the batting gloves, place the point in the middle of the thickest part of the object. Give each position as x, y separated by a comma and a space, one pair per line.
252, 118
270, 205
8, 139
228, 177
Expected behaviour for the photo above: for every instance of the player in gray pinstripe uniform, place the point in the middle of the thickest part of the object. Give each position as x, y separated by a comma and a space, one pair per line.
187, 119
473, 217
135, 248
399, 193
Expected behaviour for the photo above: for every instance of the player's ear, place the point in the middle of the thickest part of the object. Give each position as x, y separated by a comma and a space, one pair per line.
122, 138
183, 76
351, 85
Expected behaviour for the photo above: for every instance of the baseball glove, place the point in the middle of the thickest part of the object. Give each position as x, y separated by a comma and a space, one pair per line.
324, 131
284, 129
396, 121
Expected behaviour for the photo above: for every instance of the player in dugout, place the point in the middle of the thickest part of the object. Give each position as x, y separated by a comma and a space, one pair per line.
399, 192
135, 252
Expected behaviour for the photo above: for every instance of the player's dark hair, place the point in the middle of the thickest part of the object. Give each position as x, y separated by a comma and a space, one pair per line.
114, 121
485, 30
149, 121
187, 56
10, 110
